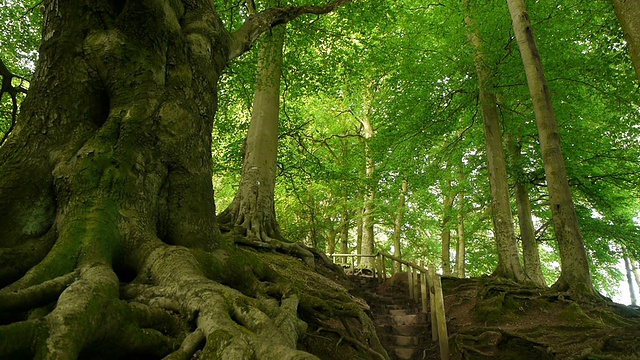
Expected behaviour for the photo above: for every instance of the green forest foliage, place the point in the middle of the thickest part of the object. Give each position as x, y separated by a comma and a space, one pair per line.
408, 66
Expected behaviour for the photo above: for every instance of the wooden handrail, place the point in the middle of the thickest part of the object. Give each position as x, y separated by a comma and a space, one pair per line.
430, 286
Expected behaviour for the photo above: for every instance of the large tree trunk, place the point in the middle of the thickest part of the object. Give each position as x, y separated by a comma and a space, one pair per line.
106, 200
252, 211
628, 13
575, 275
397, 225
445, 229
530, 253
508, 260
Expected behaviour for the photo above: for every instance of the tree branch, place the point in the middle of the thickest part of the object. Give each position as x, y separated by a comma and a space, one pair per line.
243, 39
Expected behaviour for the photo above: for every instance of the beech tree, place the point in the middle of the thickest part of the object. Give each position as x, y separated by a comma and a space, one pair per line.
628, 13
252, 213
109, 242
575, 274
508, 260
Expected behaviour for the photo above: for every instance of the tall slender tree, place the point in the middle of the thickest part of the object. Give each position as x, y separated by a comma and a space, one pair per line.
368, 234
629, 273
461, 245
508, 260
252, 211
530, 251
397, 224
575, 275
445, 224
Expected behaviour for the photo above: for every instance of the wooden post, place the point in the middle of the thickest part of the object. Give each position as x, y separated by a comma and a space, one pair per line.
432, 303
353, 265
410, 278
391, 268
423, 288
383, 266
442, 321
374, 266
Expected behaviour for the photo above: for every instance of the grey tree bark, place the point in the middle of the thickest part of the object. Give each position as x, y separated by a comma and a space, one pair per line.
252, 212
628, 13
508, 259
575, 275
629, 273
397, 225
445, 227
461, 246
530, 252
368, 235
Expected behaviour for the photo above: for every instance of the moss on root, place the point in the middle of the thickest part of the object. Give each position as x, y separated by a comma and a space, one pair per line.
513, 321
233, 302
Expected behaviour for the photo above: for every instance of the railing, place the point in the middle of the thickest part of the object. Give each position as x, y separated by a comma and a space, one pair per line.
420, 279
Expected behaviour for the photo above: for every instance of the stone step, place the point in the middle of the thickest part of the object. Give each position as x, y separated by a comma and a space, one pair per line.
404, 353
398, 312
406, 319
401, 340
407, 330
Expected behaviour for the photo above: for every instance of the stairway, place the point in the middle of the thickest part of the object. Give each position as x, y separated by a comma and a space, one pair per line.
402, 328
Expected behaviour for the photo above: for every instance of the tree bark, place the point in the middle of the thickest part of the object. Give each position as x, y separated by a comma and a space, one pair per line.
344, 226
508, 259
331, 240
530, 253
445, 230
636, 273
628, 13
359, 228
368, 235
575, 275
252, 211
632, 291
460, 248
107, 177
397, 225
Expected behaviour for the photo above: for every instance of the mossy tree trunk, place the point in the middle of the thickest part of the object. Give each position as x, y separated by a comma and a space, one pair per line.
575, 275
108, 231
508, 259
628, 13
252, 213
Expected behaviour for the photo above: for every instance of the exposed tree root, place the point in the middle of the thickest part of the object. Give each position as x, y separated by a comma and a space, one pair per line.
177, 306
35, 296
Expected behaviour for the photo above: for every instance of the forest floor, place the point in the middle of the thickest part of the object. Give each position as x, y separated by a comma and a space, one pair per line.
490, 318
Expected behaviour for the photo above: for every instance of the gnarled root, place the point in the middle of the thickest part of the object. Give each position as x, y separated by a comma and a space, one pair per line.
177, 306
